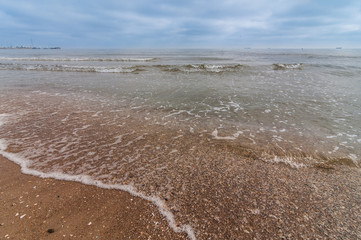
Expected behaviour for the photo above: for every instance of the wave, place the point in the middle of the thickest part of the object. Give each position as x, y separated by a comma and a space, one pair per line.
211, 68
88, 180
136, 68
287, 66
80, 59
190, 68
67, 68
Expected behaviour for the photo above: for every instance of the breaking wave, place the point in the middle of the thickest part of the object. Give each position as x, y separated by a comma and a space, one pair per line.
136, 68
211, 68
79, 59
68, 68
88, 180
284, 66
191, 68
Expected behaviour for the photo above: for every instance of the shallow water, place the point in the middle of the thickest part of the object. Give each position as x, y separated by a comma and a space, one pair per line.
179, 125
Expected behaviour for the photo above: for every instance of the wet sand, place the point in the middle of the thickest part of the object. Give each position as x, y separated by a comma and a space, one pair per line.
36, 208
224, 189
275, 202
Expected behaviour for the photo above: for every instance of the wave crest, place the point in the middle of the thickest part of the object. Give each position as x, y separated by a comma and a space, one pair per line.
68, 68
205, 68
287, 66
79, 59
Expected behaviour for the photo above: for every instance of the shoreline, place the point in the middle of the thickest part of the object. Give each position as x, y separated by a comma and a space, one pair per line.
34, 208
227, 178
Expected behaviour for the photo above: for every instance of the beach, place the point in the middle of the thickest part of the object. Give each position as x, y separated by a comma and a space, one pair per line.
38, 208
322, 204
188, 144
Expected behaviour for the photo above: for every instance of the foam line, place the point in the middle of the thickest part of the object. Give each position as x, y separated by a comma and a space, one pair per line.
287, 161
88, 180
81, 59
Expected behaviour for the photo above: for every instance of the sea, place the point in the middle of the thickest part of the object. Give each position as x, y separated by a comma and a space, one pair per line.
181, 128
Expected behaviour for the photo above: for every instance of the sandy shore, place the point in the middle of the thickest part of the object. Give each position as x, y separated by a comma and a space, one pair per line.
35, 208
224, 189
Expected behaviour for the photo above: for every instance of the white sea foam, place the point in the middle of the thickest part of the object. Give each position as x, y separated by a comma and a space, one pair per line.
68, 68
286, 160
233, 137
353, 157
114, 70
235, 105
284, 66
88, 180
180, 112
80, 59
331, 136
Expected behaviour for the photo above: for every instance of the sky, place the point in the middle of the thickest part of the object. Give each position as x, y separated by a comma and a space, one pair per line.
181, 23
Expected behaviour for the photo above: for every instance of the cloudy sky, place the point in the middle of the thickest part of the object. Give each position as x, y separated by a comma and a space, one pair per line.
181, 23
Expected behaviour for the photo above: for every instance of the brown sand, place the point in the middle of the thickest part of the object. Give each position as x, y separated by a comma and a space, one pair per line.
31, 206
223, 189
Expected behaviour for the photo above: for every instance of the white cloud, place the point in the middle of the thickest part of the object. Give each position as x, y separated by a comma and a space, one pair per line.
187, 21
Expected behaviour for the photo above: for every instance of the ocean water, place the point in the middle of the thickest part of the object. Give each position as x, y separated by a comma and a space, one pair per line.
171, 125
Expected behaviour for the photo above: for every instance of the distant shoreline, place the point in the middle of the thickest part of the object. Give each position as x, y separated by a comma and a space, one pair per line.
24, 47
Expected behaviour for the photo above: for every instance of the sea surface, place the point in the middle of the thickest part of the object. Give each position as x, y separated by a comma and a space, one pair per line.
178, 127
